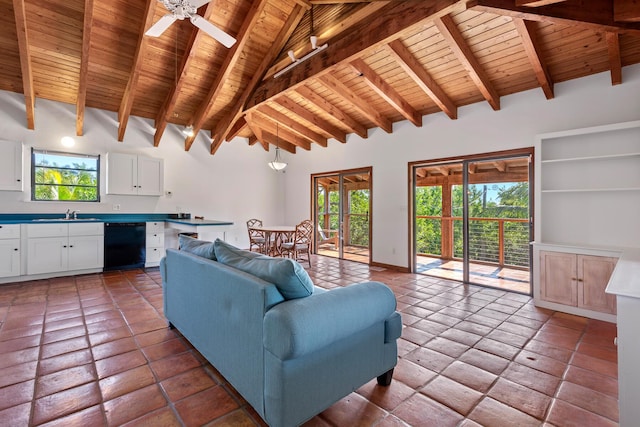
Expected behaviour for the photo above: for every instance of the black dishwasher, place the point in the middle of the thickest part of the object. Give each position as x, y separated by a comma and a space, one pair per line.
124, 245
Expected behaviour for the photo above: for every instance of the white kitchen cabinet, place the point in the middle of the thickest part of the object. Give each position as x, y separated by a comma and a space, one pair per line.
154, 243
59, 247
130, 174
9, 250
11, 165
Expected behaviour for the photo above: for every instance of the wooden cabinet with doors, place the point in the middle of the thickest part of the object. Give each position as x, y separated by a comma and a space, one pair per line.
576, 280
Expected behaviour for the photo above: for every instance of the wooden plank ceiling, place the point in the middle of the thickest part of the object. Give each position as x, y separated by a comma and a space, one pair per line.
384, 61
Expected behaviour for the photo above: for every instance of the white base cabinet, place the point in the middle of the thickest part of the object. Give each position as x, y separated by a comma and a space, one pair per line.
154, 243
59, 247
9, 250
574, 280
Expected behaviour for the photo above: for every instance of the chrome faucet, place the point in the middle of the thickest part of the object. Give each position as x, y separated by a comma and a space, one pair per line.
67, 214
74, 214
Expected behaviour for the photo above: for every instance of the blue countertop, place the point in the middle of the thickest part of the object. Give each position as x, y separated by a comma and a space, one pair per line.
22, 218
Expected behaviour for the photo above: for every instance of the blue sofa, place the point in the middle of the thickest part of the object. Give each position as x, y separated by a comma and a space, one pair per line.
290, 356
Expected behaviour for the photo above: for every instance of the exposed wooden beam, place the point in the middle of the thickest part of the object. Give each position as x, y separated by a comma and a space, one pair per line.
387, 92
423, 79
527, 32
458, 45
237, 127
292, 125
221, 131
626, 10
333, 111
349, 1
232, 58
615, 61
343, 92
337, 26
311, 118
537, 3
25, 62
127, 99
84, 66
166, 112
267, 132
598, 14
391, 22
268, 124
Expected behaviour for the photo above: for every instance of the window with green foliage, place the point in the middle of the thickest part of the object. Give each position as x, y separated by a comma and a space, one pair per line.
57, 176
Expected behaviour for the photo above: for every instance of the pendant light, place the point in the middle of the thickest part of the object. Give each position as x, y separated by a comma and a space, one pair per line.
277, 164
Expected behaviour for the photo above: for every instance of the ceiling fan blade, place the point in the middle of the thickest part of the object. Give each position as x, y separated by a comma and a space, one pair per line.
213, 31
159, 27
198, 3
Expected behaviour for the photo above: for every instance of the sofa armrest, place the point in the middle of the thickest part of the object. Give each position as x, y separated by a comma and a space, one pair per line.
297, 327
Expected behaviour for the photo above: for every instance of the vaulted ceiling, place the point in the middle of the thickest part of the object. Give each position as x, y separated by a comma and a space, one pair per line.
384, 61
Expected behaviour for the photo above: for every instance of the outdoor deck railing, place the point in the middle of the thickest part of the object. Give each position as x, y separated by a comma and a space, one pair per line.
502, 241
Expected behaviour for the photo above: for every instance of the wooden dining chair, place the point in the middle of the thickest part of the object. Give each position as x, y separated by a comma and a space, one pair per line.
257, 238
301, 243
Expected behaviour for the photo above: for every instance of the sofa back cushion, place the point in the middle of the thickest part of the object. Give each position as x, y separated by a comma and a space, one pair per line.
291, 279
201, 248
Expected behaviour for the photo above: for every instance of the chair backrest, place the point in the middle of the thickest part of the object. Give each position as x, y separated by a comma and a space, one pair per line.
304, 232
254, 223
321, 233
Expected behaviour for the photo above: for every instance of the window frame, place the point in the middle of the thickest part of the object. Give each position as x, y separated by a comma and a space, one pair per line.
95, 157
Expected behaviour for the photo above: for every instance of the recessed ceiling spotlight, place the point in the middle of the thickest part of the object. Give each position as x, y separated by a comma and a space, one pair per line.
67, 141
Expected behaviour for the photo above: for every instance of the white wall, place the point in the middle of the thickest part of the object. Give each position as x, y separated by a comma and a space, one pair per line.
590, 101
235, 184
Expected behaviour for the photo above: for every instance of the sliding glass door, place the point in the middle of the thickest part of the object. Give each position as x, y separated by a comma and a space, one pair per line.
342, 206
472, 219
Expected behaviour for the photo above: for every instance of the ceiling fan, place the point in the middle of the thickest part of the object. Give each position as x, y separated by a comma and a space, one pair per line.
181, 9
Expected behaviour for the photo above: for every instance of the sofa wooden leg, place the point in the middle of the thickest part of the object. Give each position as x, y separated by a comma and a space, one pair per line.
385, 379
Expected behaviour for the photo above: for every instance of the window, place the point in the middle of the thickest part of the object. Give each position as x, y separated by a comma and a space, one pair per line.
57, 176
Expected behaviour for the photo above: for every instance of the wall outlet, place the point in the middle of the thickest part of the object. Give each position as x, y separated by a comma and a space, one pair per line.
116, 207
168, 194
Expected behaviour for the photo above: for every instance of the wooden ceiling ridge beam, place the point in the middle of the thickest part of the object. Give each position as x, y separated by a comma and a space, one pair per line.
221, 132
336, 27
626, 10
25, 62
391, 22
293, 125
458, 45
599, 15
527, 32
233, 56
312, 118
422, 78
127, 99
84, 66
348, 95
387, 92
166, 111
333, 111
267, 132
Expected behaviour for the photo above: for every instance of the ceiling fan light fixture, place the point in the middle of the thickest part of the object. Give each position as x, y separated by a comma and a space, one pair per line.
292, 55
314, 42
188, 131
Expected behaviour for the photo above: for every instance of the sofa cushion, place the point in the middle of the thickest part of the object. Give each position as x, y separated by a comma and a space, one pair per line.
291, 279
201, 248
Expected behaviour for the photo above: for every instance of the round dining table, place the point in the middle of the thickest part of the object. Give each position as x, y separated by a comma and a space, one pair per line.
275, 236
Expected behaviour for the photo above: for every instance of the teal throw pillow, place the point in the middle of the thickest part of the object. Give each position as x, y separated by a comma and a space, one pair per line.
291, 279
201, 248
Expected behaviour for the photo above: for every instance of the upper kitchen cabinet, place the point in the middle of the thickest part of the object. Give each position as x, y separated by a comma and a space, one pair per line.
134, 175
11, 166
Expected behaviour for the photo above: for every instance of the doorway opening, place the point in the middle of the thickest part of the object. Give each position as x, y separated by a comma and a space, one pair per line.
341, 209
472, 219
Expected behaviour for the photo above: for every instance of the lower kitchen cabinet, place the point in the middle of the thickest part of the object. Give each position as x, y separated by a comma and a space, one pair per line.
59, 247
577, 280
154, 243
9, 250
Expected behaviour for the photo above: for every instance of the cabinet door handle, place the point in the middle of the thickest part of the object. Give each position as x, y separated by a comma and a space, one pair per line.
16, 249
70, 246
18, 180
64, 246
580, 280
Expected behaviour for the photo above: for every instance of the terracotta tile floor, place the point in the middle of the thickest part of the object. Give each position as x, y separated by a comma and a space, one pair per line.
94, 350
